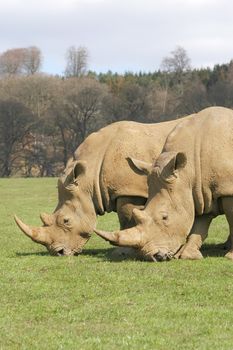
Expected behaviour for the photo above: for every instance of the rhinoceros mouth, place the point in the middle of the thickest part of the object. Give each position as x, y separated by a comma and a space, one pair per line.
64, 252
60, 252
160, 256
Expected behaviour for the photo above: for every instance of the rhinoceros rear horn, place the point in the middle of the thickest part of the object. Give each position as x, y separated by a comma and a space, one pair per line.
125, 238
37, 234
47, 219
140, 165
139, 216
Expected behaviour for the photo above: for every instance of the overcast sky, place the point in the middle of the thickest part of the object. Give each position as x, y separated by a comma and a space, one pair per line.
120, 35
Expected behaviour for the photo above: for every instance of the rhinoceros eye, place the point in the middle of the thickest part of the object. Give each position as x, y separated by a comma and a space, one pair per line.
65, 221
164, 216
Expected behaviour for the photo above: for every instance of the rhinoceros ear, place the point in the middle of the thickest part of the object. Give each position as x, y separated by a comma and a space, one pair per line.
180, 160
79, 168
140, 165
69, 163
71, 179
170, 163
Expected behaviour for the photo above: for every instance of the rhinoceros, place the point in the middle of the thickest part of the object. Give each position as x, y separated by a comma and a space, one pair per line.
98, 180
190, 182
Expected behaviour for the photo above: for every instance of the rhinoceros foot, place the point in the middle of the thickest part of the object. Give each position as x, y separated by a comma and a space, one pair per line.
190, 253
227, 244
229, 255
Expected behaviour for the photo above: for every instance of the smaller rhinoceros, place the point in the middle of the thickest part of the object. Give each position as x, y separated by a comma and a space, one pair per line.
190, 183
99, 180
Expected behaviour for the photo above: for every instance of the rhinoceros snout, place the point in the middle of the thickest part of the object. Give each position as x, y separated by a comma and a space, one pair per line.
64, 252
160, 256
60, 252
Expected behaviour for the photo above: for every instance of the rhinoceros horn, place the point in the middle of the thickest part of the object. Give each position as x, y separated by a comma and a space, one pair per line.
37, 234
140, 216
47, 219
126, 238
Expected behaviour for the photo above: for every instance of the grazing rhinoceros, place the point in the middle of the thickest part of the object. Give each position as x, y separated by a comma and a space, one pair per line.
192, 176
99, 180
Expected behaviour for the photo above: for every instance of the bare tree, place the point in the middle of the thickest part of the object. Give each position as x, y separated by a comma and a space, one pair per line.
11, 62
77, 61
20, 61
32, 60
174, 68
134, 101
160, 100
194, 98
128, 101
178, 62
37, 92
40, 157
15, 123
79, 112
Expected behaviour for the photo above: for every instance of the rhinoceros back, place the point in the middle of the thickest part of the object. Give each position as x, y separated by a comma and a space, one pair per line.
108, 150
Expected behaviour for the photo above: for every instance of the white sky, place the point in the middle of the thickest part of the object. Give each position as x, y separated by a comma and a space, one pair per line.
121, 35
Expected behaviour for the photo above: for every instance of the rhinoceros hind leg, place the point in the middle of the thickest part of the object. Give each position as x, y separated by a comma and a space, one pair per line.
227, 203
125, 206
227, 243
229, 255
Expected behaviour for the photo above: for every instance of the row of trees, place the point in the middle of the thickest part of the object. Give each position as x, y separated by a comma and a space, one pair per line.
44, 118
20, 61
28, 61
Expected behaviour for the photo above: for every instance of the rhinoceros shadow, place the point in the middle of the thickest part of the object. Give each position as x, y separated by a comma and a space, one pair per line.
111, 254
20, 254
117, 255
102, 254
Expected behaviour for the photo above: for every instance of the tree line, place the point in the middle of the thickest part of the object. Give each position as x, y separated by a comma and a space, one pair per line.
43, 118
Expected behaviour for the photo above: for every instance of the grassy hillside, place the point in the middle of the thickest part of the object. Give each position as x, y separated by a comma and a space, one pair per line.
91, 302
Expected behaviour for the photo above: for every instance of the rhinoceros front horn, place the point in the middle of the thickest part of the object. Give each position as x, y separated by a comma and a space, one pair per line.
37, 234
125, 238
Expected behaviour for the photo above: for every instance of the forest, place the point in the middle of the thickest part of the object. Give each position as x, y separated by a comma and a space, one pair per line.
43, 117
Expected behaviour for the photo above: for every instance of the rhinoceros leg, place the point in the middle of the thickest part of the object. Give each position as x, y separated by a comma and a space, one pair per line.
227, 243
125, 206
198, 234
227, 204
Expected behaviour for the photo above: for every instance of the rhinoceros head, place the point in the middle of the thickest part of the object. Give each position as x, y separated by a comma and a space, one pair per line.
66, 231
163, 225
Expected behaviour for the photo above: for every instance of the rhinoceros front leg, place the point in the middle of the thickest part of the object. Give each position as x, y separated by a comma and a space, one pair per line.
199, 232
125, 206
227, 204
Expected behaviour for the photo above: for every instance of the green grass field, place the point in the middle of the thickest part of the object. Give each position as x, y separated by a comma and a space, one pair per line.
91, 302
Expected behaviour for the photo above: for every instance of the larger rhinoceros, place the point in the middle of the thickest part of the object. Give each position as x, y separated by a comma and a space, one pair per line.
98, 180
193, 176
